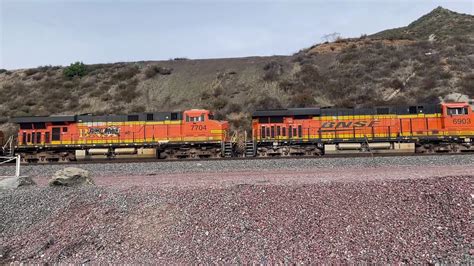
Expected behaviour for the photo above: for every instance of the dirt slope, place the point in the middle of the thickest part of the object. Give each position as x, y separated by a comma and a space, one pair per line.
397, 66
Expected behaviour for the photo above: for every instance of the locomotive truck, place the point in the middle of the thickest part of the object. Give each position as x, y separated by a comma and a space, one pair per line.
447, 127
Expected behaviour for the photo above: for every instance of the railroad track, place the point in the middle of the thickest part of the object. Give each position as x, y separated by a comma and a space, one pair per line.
152, 160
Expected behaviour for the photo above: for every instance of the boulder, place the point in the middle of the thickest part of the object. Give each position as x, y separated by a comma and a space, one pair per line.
71, 176
16, 182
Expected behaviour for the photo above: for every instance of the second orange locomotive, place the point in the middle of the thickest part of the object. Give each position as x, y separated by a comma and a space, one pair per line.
445, 127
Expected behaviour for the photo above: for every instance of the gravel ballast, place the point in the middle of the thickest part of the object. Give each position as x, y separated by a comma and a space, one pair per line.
378, 210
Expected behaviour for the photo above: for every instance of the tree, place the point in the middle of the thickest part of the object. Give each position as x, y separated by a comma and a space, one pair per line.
331, 37
75, 69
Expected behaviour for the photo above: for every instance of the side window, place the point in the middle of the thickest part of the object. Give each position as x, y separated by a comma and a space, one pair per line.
263, 132
38, 137
278, 131
187, 118
458, 111
174, 116
133, 118
56, 136
283, 131
46, 137
202, 117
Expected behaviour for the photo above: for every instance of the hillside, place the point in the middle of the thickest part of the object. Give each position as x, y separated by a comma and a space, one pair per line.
440, 22
399, 66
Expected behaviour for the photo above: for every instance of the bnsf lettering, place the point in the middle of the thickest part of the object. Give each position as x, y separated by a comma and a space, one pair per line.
349, 124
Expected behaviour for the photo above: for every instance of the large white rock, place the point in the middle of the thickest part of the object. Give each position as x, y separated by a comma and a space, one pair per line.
71, 176
16, 182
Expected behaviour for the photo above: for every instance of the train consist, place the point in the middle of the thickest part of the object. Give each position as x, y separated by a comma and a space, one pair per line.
195, 133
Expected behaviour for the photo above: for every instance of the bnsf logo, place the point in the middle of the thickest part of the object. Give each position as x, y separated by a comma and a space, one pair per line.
350, 124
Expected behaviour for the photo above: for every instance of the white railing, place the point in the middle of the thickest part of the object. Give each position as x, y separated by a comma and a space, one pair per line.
8, 147
7, 159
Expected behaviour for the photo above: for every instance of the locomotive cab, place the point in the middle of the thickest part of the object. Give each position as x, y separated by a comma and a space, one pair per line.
200, 125
458, 115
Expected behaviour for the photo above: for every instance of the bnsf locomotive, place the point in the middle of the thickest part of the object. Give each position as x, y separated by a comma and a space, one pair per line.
195, 133
315, 131
190, 134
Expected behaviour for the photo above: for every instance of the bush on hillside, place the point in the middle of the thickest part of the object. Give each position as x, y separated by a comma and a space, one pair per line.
273, 71
152, 70
126, 73
77, 69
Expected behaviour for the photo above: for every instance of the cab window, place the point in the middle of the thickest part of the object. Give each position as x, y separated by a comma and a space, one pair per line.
195, 118
458, 111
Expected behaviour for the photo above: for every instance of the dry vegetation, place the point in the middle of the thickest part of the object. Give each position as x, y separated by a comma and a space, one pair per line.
392, 67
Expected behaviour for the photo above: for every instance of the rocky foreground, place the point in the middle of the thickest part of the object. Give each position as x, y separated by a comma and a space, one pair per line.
408, 213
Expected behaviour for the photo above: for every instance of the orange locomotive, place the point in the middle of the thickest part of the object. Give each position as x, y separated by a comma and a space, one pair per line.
189, 134
445, 127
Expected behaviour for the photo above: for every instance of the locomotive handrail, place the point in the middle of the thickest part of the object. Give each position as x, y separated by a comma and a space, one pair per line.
374, 132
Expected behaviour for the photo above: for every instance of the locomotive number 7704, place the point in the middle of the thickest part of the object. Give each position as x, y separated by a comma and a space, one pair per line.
198, 127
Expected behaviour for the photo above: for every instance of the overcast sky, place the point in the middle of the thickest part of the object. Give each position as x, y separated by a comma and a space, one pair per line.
53, 32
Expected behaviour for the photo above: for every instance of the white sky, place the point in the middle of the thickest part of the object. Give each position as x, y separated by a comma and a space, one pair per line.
36, 32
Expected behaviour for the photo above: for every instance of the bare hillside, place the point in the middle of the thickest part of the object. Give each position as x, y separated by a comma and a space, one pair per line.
392, 67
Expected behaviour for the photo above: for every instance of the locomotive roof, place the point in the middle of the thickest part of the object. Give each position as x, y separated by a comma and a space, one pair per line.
42, 119
152, 116
415, 109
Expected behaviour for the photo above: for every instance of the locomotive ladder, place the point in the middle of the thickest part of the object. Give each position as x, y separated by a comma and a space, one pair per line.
228, 149
249, 147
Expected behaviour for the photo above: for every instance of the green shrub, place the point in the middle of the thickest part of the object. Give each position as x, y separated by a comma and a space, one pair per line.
77, 69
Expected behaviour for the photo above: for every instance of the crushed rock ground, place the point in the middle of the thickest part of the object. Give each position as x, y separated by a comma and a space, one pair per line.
386, 213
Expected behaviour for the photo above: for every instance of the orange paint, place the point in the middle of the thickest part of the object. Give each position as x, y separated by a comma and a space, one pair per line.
196, 126
455, 120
